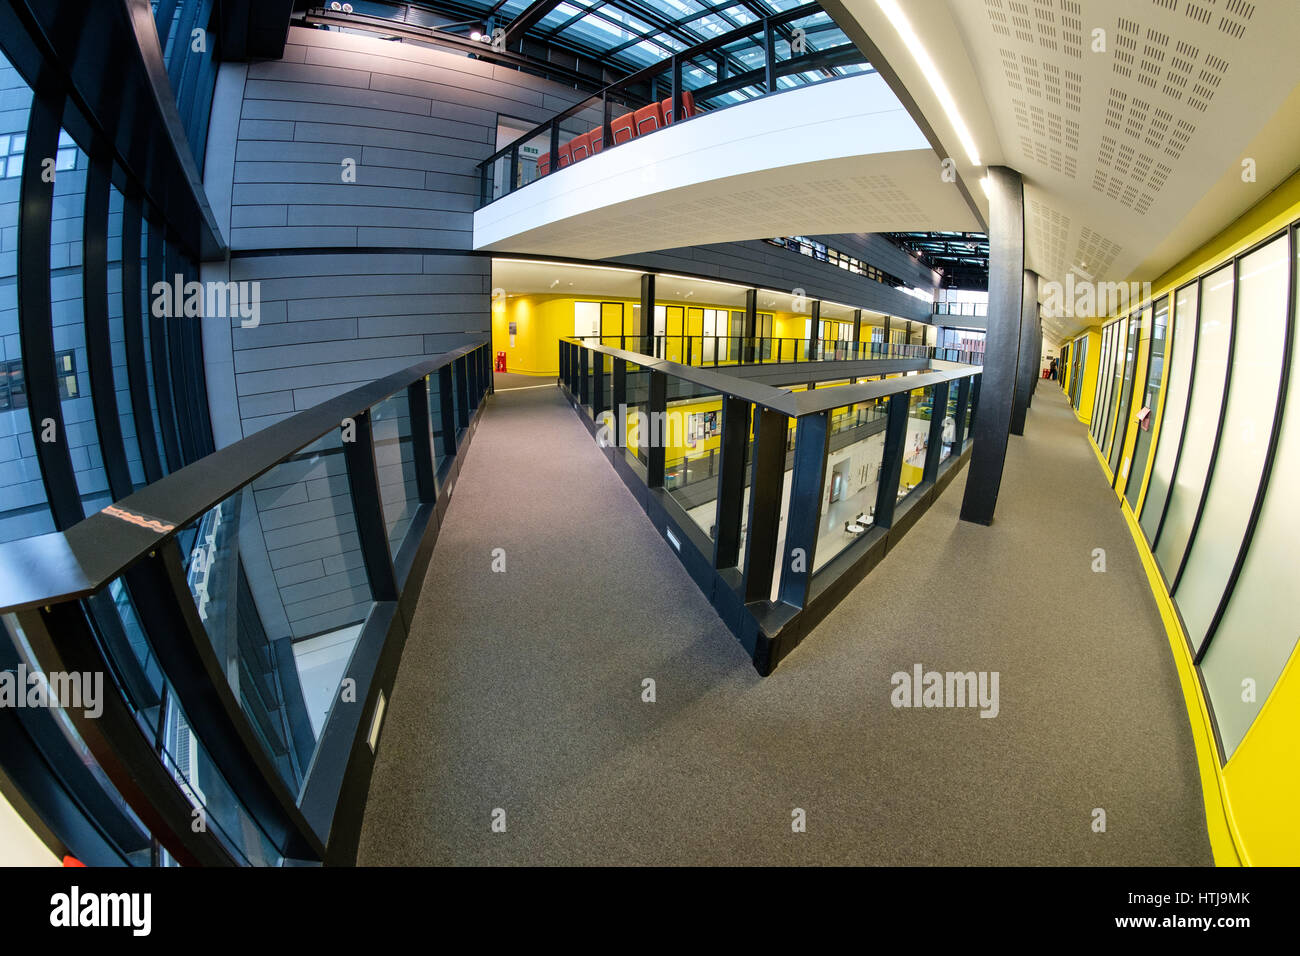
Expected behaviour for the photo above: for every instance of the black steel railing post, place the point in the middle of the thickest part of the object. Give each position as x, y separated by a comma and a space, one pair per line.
417, 398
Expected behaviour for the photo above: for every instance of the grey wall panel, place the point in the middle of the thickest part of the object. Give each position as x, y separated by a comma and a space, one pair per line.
415, 121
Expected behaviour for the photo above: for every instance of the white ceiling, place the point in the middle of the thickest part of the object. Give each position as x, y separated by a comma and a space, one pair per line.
1131, 155
837, 157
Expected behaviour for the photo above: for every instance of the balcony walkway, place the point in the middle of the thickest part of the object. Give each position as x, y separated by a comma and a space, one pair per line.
522, 690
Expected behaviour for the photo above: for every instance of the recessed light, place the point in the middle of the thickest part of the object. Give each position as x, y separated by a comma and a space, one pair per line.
931, 73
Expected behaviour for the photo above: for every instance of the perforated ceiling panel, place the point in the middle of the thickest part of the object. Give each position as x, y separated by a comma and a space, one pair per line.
1122, 114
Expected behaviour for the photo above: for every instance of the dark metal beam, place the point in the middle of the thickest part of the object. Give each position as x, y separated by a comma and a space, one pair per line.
528, 18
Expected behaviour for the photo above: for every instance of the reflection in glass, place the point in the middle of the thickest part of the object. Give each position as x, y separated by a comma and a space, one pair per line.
277, 575
399, 492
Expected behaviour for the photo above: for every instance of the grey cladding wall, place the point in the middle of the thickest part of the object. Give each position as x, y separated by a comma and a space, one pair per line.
415, 121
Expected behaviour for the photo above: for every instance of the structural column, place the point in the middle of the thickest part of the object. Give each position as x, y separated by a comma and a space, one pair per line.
647, 330
1001, 355
751, 326
1029, 348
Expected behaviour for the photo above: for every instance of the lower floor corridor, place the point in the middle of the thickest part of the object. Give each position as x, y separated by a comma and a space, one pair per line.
521, 695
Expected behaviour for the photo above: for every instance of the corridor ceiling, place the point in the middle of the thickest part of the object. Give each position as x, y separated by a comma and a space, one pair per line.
1130, 120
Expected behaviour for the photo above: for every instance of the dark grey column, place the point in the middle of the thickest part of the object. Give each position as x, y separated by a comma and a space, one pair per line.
997, 386
816, 326
857, 333
891, 462
731, 481
1029, 347
647, 330
938, 412
656, 408
751, 325
811, 443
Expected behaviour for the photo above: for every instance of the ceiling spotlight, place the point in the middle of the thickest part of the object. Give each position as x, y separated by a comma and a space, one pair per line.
476, 35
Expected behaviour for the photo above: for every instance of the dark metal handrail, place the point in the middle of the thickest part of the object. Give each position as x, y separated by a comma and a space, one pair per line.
72, 564
792, 404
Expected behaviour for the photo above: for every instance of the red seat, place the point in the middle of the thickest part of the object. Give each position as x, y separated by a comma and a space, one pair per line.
688, 107
622, 128
566, 155
543, 164
580, 146
597, 139
648, 119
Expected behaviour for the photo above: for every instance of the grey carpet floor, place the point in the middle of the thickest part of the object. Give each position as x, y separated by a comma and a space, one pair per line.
521, 691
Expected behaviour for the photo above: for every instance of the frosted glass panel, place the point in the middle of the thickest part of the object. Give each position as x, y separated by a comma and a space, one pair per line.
1171, 425
1202, 419
1148, 399
1116, 379
1139, 328
1258, 631
1099, 398
1252, 397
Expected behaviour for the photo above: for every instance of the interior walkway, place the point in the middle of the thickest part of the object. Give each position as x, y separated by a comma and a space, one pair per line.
522, 690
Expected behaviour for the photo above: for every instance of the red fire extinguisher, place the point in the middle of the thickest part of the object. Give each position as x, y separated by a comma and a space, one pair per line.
501, 362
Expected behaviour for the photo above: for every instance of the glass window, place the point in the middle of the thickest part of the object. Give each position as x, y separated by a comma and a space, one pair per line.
1138, 324
66, 314
1169, 430
1213, 343
24, 511
1257, 352
1149, 400
117, 339
1257, 634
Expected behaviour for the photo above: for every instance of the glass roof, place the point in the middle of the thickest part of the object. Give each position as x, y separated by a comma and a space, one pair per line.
634, 34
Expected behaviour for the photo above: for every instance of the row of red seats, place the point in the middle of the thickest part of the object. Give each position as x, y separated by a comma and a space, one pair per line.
645, 120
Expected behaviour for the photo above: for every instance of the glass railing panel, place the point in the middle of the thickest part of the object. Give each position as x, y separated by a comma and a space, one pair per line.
691, 434
399, 492
278, 578
433, 389
223, 813
855, 451
916, 440
638, 392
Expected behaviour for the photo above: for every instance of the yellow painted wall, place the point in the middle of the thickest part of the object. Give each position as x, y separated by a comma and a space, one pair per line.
1252, 801
542, 320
